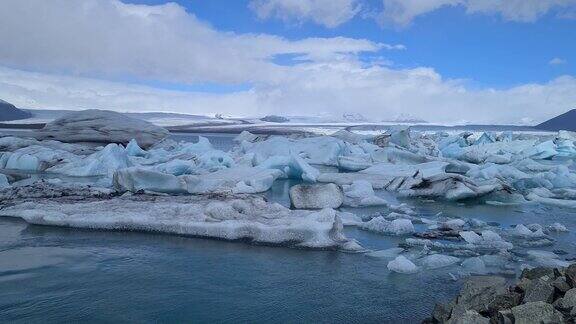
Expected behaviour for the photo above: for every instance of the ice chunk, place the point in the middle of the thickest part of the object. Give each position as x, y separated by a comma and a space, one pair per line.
245, 136
237, 180
385, 254
427, 170
436, 261
105, 162
35, 158
292, 167
402, 265
360, 193
133, 149
349, 219
316, 196
138, 179
488, 240
4, 181
547, 259
102, 126
355, 162
322, 150
231, 218
522, 231
557, 227
396, 227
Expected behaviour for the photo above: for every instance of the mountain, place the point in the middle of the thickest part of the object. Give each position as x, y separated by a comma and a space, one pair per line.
10, 112
566, 121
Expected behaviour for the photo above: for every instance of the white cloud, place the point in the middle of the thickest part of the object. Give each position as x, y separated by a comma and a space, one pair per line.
557, 61
162, 42
329, 13
403, 12
316, 88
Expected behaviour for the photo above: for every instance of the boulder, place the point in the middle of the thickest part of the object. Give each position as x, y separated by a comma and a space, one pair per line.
568, 302
538, 272
102, 126
537, 312
477, 293
469, 317
538, 290
571, 275
316, 196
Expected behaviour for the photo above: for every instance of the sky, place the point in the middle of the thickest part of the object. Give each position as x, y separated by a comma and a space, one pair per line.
443, 61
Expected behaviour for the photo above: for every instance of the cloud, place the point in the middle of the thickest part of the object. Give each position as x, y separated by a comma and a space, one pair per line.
402, 12
329, 13
162, 42
331, 89
557, 61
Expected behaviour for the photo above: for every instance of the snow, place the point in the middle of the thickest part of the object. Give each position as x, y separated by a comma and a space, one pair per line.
402, 265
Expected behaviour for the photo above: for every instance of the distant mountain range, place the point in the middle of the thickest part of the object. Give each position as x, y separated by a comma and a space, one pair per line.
9, 112
566, 121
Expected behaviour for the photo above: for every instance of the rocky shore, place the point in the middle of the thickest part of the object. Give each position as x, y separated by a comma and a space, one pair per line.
541, 295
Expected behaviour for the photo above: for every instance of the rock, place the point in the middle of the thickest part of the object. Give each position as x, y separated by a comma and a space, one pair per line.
102, 126
571, 275
538, 290
316, 196
503, 302
568, 302
536, 312
561, 285
477, 293
469, 317
503, 317
442, 312
538, 272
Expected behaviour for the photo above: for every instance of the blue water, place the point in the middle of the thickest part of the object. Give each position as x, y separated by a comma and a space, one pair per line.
54, 275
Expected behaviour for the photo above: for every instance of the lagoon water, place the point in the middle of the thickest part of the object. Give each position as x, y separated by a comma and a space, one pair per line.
52, 274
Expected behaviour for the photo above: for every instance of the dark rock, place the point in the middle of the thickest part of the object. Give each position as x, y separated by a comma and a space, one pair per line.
537, 312
560, 285
538, 290
502, 317
469, 317
504, 301
442, 312
568, 302
477, 293
538, 272
571, 275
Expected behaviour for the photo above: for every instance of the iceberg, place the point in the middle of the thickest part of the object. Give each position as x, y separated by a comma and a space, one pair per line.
435, 261
396, 227
402, 265
102, 126
231, 218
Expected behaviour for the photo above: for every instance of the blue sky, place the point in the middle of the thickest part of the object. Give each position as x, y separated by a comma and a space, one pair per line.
485, 49
446, 61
